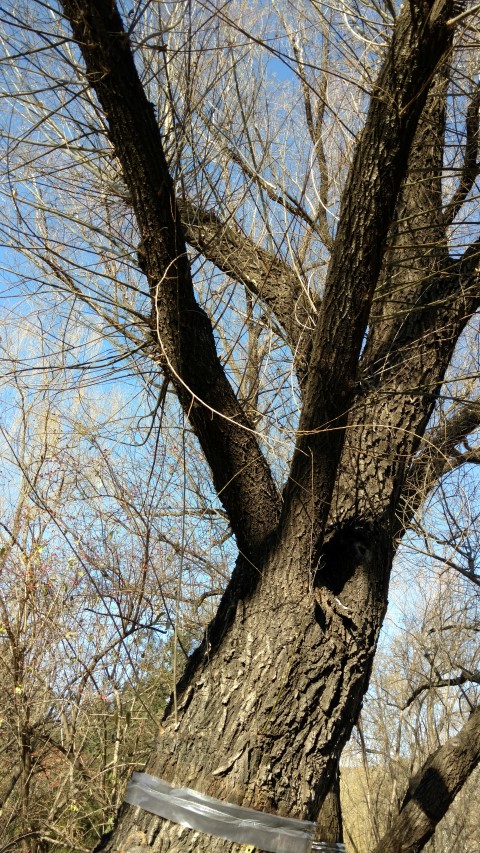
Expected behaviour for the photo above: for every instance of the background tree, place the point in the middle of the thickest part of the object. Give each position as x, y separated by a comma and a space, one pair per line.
356, 267
87, 599
438, 713
425, 682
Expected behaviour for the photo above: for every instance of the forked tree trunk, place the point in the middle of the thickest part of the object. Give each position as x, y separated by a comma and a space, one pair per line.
269, 700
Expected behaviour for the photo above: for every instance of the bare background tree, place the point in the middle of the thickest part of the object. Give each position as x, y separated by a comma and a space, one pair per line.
266, 219
89, 579
425, 682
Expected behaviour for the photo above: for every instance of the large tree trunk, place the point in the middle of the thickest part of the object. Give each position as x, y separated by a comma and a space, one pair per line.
258, 720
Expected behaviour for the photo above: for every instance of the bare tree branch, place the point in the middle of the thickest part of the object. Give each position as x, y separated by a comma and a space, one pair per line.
454, 681
314, 118
370, 195
182, 330
436, 456
267, 277
471, 166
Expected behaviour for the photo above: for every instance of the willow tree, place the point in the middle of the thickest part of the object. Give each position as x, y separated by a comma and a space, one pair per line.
340, 222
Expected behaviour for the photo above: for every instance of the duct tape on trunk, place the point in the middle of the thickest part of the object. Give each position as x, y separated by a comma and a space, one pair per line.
328, 847
206, 814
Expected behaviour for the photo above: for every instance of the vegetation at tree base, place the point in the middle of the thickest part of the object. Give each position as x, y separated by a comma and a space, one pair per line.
240, 339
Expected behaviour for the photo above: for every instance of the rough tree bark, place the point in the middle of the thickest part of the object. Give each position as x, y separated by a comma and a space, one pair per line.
269, 699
